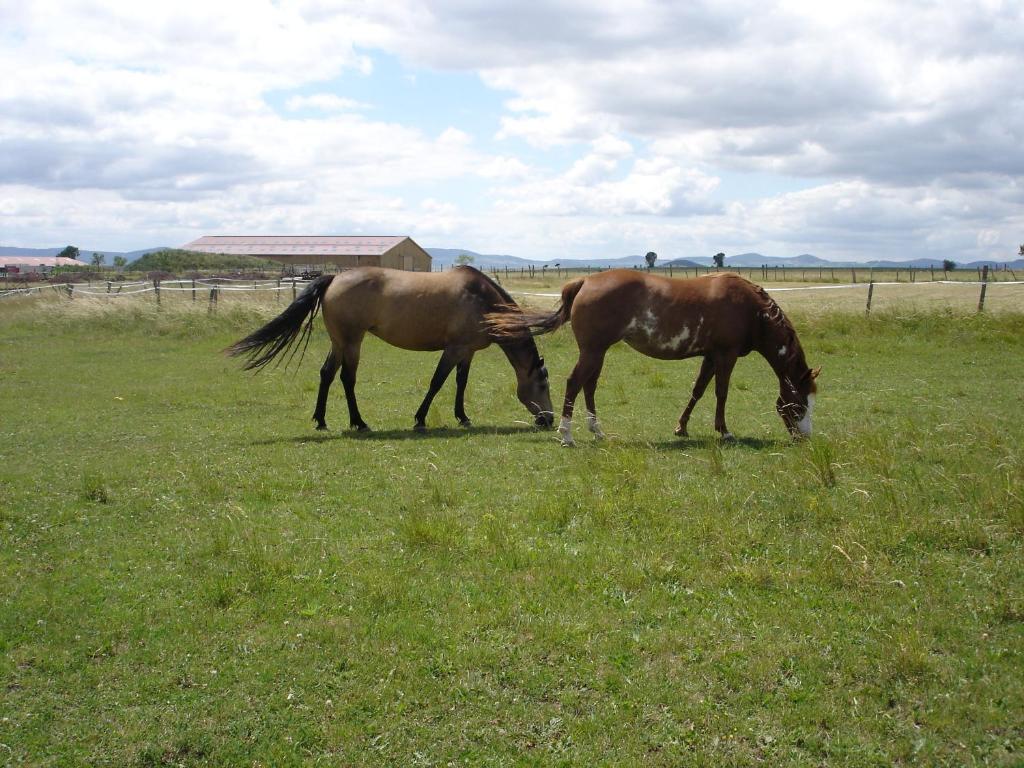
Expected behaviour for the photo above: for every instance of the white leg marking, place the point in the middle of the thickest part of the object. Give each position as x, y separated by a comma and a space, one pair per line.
594, 426
804, 425
565, 430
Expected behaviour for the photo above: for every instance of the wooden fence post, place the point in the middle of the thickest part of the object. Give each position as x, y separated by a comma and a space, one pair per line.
213, 300
193, 289
156, 290
984, 285
871, 291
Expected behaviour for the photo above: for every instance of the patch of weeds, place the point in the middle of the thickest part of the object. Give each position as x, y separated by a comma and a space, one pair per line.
561, 512
821, 457
1010, 611
183, 752
420, 528
500, 542
94, 489
907, 659
221, 591
657, 380
716, 457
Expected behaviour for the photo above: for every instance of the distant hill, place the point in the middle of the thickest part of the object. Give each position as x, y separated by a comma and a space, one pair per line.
83, 255
446, 256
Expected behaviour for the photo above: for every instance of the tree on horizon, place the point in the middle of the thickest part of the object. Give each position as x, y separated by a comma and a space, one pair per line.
720, 260
650, 258
69, 252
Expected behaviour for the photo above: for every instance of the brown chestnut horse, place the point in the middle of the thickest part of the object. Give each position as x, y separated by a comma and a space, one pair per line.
720, 317
413, 310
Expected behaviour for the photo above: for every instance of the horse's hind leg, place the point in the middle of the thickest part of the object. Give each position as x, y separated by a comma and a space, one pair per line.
589, 388
327, 372
707, 370
587, 369
349, 366
461, 379
444, 367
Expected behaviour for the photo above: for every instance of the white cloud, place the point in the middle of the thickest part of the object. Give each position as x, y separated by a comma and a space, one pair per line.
323, 102
136, 124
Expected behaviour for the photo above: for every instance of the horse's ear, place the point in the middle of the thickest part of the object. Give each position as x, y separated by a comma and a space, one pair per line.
816, 372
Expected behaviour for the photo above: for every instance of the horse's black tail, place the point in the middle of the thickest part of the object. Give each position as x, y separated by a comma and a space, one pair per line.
521, 325
296, 322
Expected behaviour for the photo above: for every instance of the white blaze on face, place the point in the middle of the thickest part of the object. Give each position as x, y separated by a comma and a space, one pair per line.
782, 351
804, 425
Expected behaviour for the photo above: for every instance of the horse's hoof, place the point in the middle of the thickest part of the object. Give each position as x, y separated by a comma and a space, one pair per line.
361, 428
465, 423
682, 432
321, 427
727, 437
419, 427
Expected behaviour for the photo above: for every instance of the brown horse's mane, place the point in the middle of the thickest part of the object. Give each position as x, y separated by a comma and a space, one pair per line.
772, 313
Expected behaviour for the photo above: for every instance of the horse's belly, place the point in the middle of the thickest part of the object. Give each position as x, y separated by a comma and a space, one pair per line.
664, 347
424, 338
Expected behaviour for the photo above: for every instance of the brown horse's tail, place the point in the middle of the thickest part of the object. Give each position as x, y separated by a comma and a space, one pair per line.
296, 322
521, 325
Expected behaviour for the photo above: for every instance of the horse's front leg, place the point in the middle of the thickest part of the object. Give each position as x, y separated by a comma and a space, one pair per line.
461, 379
444, 367
707, 370
723, 370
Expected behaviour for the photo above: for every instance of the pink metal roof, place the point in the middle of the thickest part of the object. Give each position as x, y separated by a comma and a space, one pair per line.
41, 261
313, 245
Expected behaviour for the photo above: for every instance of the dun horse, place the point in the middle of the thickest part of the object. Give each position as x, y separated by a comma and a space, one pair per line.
412, 310
720, 317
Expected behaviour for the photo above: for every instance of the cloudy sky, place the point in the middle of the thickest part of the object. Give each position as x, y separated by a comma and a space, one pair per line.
546, 130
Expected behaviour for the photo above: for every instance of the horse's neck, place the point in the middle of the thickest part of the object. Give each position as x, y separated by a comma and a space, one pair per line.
781, 348
519, 353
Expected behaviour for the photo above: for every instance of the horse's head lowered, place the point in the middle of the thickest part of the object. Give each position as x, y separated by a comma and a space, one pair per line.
533, 391
796, 402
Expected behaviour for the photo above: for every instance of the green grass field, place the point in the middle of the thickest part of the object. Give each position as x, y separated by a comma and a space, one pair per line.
194, 576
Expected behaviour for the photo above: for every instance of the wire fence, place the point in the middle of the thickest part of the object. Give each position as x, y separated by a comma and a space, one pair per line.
865, 296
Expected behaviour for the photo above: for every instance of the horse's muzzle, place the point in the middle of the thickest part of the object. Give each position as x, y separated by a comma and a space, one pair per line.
545, 419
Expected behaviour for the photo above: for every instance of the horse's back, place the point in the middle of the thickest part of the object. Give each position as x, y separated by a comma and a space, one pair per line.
665, 317
412, 310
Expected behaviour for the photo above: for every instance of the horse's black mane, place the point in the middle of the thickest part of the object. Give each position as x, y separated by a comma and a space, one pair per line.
508, 304
505, 296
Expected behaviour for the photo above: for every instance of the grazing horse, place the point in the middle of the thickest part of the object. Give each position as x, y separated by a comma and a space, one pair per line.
720, 317
413, 310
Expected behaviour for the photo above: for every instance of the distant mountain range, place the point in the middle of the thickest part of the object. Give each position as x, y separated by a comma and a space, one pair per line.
447, 256
83, 255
